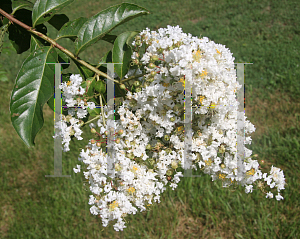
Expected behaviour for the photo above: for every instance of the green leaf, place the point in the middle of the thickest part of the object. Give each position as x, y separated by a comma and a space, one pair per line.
84, 71
122, 52
63, 58
33, 88
70, 29
44, 10
107, 58
19, 37
50, 102
100, 87
58, 20
3, 30
19, 4
105, 21
109, 38
37, 42
94, 112
3, 77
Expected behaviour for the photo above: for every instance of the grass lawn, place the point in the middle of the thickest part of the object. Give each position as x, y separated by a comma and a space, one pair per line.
265, 33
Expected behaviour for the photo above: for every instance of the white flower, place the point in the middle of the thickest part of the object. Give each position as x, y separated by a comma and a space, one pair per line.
77, 169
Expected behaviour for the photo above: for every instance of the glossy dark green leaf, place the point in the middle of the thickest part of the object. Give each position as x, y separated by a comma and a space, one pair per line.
94, 112
70, 29
33, 88
105, 21
100, 87
20, 4
84, 71
122, 52
58, 20
107, 58
109, 38
63, 58
50, 102
19, 37
37, 42
44, 10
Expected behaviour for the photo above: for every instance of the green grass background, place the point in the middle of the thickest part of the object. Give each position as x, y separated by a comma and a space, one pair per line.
265, 33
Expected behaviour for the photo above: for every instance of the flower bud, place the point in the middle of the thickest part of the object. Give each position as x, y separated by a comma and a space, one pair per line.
117, 140
168, 150
120, 132
138, 38
81, 123
154, 58
153, 73
148, 147
106, 132
139, 89
98, 144
93, 130
68, 118
138, 43
167, 137
93, 141
222, 149
151, 161
149, 80
98, 167
135, 61
169, 178
151, 66
172, 119
169, 172
174, 165
122, 86
136, 83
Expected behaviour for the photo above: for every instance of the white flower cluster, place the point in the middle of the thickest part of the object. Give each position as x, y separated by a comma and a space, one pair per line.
149, 137
72, 89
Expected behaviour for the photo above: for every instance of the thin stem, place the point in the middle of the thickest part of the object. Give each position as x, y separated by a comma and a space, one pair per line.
102, 112
131, 78
89, 121
54, 44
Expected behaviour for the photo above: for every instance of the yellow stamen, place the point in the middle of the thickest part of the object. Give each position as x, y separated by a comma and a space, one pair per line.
182, 81
208, 162
201, 98
251, 172
203, 74
68, 83
131, 190
113, 205
134, 168
222, 176
197, 55
166, 84
218, 51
